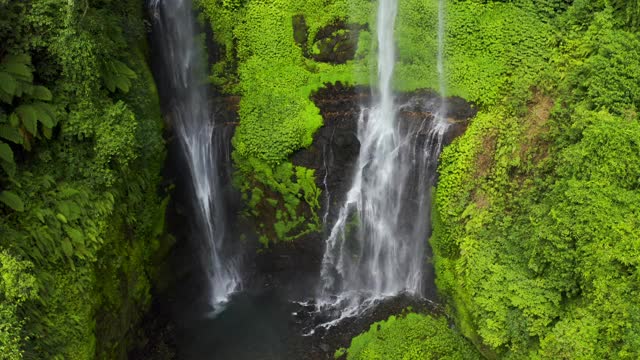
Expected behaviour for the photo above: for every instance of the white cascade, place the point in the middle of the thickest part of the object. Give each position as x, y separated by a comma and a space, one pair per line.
193, 124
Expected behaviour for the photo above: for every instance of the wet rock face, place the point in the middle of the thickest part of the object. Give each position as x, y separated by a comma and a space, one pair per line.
334, 151
335, 148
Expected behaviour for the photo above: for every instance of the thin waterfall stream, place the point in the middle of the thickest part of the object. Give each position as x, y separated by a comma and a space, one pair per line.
377, 247
188, 113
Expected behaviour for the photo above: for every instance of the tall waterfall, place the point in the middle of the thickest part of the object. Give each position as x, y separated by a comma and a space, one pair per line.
378, 244
184, 79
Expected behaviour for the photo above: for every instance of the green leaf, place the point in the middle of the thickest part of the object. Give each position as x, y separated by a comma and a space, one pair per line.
9, 168
76, 235
10, 133
5, 98
47, 132
67, 247
123, 83
110, 83
123, 69
20, 70
14, 120
41, 93
29, 116
26, 144
46, 114
6, 153
43, 116
11, 200
17, 58
70, 210
62, 218
7, 83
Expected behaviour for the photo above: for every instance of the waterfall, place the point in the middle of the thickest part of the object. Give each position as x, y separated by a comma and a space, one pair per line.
378, 245
183, 79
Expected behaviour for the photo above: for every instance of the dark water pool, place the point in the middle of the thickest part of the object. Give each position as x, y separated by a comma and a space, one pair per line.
251, 327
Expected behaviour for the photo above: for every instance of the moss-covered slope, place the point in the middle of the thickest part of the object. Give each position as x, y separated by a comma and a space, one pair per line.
537, 207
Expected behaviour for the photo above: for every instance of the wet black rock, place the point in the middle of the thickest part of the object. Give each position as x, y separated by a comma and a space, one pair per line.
335, 43
335, 148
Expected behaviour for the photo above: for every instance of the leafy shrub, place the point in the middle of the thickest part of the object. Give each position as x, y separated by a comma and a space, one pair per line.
410, 337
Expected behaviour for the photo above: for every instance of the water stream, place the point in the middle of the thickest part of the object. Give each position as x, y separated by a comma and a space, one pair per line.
377, 247
184, 83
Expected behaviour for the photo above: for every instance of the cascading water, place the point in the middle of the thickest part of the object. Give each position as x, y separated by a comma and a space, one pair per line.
377, 247
183, 79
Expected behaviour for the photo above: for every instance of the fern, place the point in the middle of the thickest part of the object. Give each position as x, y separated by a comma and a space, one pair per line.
16, 82
11, 200
16, 77
5, 152
117, 75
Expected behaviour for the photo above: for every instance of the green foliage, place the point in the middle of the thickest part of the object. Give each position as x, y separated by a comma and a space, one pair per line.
82, 151
17, 286
536, 215
410, 337
493, 51
117, 75
20, 127
11, 200
277, 117
287, 190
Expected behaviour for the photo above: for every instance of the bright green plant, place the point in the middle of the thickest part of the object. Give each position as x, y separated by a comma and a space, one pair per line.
410, 337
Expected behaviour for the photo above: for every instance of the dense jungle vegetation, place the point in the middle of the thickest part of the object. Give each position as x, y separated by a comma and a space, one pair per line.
537, 211
538, 205
81, 151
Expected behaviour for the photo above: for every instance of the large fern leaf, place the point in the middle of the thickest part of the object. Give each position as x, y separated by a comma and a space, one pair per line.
117, 75
10, 133
11, 200
8, 84
6, 153
45, 114
29, 116
40, 92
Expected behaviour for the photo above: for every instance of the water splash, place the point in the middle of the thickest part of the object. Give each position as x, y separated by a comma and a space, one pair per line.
188, 113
